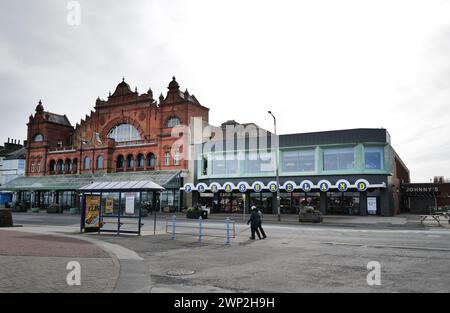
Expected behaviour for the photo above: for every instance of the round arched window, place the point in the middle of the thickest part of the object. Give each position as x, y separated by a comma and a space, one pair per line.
38, 137
124, 132
173, 121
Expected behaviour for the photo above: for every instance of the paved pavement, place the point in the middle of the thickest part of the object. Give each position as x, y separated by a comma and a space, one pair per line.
33, 262
294, 258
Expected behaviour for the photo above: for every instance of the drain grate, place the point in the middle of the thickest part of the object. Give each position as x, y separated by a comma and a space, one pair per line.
180, 272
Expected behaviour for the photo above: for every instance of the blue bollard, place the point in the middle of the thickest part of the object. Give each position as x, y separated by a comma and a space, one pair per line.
200, 220
174, 218
227, 221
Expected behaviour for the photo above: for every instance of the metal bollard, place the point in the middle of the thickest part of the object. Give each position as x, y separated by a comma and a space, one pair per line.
200, 220
227, 221
174, 218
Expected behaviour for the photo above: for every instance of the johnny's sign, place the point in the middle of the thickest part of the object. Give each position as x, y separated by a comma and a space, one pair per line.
424, 189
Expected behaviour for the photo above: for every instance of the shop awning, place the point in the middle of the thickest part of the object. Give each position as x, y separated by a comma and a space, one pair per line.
123, 185
165, 179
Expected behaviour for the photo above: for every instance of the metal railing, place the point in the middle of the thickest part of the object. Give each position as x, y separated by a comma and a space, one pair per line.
199, 229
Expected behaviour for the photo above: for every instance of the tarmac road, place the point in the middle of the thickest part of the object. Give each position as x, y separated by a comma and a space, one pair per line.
294, 258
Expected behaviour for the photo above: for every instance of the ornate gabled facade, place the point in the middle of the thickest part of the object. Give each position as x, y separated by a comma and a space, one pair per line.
128, 132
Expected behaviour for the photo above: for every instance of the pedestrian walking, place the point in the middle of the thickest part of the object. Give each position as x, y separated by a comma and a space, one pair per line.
254, 221
260, 228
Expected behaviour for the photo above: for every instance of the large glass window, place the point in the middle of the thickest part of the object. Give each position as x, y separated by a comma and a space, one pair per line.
124, 132
374, 157
345, 203
259, 162
225, 165
338, 159
298, 161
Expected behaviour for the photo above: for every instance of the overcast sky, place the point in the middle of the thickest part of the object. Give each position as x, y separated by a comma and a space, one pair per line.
318, 65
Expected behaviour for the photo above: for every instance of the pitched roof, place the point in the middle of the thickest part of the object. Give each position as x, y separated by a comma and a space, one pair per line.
19, 154
57, 119
8, 149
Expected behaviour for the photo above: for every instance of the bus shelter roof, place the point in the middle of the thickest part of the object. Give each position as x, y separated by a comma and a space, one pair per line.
122, 186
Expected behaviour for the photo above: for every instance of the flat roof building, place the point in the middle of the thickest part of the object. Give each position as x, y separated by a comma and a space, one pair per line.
350, 172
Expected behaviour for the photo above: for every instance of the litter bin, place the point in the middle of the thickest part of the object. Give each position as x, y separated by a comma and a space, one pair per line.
204, 214
6, 218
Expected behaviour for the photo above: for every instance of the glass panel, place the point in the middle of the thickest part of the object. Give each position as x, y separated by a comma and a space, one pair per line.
262, 162
338, 159
130, 204
225, 165
374, 157
298, 161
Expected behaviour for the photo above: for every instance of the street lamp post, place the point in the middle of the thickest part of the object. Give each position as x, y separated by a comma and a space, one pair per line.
276, 165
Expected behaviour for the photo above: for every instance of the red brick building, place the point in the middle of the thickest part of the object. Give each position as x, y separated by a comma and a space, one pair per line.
129, 132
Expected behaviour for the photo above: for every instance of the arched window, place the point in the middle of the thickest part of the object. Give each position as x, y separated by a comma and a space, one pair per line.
141, 161
173, 121
32, 166
52, 166
75, 165
100, 162
38, 167
124, 132
176, 157
38, 137
167, 158
120, 162
87, 163
130, 161
60, 166
68, 166
151, 160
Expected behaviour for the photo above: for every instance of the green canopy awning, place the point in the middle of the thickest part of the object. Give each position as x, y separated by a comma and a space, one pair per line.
166, 179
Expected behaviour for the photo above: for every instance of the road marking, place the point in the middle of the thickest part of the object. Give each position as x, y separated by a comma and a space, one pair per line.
360, 245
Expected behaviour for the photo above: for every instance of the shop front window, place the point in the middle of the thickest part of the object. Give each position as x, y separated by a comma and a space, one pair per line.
338, 159
231, 203
302, 199
343, 203
262, 201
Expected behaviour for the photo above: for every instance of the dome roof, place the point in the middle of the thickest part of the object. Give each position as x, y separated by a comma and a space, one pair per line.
173, 84
122, 89
39, 107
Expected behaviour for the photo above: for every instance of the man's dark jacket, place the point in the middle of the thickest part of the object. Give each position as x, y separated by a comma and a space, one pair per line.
255, 219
